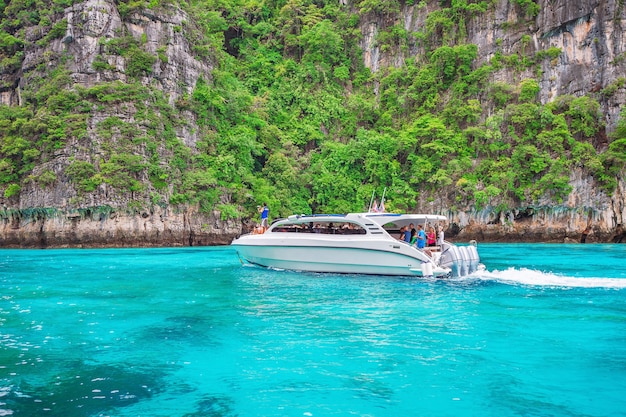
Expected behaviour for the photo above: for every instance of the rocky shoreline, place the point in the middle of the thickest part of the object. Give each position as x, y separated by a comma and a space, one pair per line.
161, 227
111, 229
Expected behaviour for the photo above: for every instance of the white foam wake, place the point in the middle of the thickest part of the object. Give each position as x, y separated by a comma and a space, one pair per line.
533, 277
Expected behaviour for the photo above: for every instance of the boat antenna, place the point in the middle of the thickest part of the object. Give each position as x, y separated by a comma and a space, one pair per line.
382, 201
371, 201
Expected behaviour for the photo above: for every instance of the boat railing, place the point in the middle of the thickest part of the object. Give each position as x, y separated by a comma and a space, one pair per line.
435, 248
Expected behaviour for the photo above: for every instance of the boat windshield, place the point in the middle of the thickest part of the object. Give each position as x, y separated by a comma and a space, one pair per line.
334, 228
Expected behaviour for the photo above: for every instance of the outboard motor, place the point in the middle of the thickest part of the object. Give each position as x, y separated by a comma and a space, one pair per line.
474, 258
465, 261
451, 258
445, 257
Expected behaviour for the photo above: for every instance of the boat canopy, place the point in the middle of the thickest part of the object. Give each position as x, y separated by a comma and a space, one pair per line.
382, 219
399, 220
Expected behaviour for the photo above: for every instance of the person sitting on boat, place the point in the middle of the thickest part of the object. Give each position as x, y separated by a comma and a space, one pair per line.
421, 237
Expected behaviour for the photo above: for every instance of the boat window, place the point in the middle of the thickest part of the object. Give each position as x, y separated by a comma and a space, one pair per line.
333, 228
393, 228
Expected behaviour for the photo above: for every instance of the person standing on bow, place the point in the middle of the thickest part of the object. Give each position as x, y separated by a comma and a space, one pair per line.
265, 211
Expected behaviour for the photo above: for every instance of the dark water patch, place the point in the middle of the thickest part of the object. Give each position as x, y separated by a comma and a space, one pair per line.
213, 406
368, 387
188, 329
92, 390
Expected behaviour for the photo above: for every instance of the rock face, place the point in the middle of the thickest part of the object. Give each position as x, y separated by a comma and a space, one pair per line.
103, 227
49, 217
592, 40
589, 216
92, 23
590, 34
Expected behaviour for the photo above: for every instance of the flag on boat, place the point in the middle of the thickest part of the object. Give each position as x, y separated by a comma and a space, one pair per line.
375, 207
381, 209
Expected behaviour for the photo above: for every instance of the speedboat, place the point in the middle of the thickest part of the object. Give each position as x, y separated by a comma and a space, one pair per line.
354, 243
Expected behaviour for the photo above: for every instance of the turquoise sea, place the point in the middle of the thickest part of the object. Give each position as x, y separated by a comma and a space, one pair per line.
192, 332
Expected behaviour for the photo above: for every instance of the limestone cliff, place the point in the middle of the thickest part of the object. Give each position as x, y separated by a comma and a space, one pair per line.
589, 34
592, 40
588, 217
60, 215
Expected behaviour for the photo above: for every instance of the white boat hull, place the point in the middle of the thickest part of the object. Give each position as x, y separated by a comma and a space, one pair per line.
377, 258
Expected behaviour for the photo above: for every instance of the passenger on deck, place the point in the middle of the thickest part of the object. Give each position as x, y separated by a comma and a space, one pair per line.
421, 237
413, 237
440, 236
431, 239
407, 233
402, 230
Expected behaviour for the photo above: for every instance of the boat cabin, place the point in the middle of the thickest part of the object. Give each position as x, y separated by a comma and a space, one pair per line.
323, 227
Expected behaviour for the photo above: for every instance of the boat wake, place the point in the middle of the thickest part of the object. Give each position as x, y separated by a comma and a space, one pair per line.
511, 276
533, 277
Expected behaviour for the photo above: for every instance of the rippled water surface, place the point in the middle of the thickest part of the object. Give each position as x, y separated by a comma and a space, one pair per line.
192, 332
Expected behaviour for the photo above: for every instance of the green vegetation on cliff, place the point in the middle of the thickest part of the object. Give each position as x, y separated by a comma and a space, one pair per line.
290, 115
